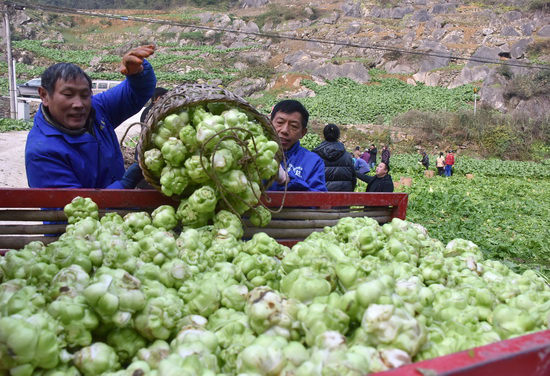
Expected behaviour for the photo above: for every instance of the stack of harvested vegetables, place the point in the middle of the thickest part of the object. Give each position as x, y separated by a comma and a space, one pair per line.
210, 149
125, 296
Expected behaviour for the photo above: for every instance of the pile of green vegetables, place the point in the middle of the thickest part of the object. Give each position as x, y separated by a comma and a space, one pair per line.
215, 157
125, 296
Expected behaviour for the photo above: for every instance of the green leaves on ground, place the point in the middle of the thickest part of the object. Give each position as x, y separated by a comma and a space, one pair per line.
503, 209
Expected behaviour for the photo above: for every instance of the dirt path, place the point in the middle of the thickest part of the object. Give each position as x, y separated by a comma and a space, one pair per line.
12, 154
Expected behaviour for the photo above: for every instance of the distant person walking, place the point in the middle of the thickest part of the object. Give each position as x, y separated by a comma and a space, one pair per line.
357, 152
386, 154
340, 173
366, 156
361, 166
440, 164
372, 151
425, 160
449, 163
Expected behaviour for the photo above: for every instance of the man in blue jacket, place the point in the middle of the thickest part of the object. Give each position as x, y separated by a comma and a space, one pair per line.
73, 143
305, 169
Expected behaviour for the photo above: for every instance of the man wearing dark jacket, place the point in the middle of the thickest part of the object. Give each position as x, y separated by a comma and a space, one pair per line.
425, 161
385, 154
339, 167
372, 151
381, 182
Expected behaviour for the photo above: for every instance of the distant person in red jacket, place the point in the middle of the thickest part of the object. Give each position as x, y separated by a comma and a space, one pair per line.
449, 162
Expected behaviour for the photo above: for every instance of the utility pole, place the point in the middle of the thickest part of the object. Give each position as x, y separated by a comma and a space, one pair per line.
11, 73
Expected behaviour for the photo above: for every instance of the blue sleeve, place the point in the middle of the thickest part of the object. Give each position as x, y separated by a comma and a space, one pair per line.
314, 181
116, 185
50, 171
127, 98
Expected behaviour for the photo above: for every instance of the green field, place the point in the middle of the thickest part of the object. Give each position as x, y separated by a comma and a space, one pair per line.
504, 209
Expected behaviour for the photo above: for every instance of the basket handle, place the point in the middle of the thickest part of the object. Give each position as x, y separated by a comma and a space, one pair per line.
128, 129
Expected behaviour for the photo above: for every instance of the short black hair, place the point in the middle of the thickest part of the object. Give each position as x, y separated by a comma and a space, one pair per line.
289, 106
159, 92
331, 132
387, 166
62, 71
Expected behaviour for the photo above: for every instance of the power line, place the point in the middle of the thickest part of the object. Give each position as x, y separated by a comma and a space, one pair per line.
272, 35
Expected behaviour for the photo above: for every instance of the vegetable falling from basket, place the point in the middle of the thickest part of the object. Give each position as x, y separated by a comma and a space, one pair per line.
211, 150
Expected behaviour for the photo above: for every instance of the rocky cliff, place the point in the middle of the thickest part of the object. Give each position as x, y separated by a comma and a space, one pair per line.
437, 42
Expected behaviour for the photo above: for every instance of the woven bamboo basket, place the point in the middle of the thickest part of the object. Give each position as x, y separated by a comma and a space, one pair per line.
191, 95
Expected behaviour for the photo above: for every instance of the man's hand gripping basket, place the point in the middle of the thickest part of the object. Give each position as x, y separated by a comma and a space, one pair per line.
209, 149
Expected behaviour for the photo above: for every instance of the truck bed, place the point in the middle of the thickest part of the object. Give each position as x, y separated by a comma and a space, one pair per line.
296, 214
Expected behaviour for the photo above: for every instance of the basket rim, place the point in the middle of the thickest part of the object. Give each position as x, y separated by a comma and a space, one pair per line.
187, 96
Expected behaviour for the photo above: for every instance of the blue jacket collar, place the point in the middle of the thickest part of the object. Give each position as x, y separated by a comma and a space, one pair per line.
49, 130
293, 149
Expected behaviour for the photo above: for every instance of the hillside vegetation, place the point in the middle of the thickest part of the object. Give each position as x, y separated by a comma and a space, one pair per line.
412, 110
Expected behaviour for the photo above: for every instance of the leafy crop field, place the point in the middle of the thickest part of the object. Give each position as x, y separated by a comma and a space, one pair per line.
378, 102
504, 209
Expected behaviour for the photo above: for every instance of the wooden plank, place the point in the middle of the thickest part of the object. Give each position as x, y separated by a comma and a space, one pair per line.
18, 242
336, 209
293, 233
55, 215
297, 215
306, 223
312, 223
32, 215
32, 229
120, 198
104, 198
277, 233
123, 212
331, 199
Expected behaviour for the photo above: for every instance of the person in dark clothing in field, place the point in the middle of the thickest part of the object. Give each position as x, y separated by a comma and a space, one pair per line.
381, 182
386, 154
425, 160
372, 151
339, 166
366, 157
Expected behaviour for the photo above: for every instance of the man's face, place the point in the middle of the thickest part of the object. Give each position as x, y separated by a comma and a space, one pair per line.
289, 127
381, 170
70, 102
